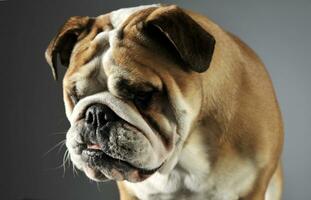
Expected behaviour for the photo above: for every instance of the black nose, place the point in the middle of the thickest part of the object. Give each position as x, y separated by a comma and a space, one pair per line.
98, 115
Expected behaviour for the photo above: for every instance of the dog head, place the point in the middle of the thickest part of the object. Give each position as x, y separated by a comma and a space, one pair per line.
132, 89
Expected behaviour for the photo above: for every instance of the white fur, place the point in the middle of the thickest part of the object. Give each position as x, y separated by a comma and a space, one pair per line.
192, 178
154, 154
106, 38
118, 17
187, 174
273, 191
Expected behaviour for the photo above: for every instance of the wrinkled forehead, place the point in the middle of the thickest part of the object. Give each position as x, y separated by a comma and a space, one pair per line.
119, 17
97, 47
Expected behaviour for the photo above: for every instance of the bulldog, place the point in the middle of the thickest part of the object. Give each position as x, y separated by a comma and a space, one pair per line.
169, 105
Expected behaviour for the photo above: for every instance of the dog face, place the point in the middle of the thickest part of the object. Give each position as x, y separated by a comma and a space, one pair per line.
132, 88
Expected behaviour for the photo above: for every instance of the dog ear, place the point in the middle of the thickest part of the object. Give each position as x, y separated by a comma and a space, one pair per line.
193, 44
64, 41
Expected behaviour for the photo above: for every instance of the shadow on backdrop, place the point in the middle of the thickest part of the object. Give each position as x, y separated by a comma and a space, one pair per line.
33, 118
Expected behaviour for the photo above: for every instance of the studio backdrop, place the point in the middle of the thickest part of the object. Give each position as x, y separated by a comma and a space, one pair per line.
32, 115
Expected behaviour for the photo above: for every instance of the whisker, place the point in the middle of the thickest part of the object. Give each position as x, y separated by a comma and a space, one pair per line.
55, 168
65, 160
65, 157
75, 172
59, 133
61, 147
53, 147
98, 187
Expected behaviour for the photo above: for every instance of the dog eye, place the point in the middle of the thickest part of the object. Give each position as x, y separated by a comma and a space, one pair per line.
74, 98
142, 99
74, 95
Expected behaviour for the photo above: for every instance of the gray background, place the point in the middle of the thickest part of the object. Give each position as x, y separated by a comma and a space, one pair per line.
33, 119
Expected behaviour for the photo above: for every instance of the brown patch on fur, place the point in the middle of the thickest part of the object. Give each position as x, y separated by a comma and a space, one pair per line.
74, 29
73, 41
195, 45
125, 194
238, 115
85, 50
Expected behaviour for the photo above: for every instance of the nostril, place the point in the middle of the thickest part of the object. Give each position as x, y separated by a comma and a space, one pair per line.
89, 117
101, 120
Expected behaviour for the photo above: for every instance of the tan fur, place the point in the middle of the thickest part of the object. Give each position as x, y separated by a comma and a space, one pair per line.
124, 193
247, 110
239, 96
233, 104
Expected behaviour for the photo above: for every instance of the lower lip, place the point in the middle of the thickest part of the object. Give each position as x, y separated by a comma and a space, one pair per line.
97, 159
